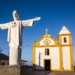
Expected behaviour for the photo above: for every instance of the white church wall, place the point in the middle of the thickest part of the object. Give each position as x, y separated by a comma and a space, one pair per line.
55, 58
5, 62
67, 37
66, 58
51, 42
40, 56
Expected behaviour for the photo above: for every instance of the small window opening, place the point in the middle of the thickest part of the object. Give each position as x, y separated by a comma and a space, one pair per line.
65, 40
46, 51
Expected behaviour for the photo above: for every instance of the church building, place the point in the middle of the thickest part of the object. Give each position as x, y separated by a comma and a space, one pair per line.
52, 55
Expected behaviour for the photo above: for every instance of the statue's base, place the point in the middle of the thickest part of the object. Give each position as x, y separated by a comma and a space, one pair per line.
13, 70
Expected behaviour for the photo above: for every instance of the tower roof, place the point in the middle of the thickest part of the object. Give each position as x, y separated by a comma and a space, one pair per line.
64, 30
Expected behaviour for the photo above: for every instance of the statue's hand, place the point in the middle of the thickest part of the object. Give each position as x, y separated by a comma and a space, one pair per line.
37, 18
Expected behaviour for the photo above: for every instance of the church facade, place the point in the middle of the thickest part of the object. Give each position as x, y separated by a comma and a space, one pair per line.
52, 55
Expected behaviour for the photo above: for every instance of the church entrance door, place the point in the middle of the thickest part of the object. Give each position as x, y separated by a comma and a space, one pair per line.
47, 65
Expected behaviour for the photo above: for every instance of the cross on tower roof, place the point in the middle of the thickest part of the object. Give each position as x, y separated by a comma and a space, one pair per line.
46, 30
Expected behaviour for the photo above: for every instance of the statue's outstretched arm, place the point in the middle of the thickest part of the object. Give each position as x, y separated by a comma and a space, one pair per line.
37, 18
30, 22
4, 26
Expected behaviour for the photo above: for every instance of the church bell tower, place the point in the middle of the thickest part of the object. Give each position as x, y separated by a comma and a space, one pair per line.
66, 50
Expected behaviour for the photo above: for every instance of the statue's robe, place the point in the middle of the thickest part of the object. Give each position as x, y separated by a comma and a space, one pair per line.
15, 30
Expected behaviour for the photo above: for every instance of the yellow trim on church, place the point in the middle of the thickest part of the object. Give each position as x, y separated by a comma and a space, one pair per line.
45, 36
57, 44
33, 58
45, 41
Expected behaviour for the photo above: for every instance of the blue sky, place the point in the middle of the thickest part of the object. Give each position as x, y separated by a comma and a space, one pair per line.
54, 14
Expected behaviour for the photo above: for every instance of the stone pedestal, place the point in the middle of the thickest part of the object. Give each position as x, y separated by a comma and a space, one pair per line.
13, 70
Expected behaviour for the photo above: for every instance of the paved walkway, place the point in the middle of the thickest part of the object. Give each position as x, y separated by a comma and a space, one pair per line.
49, 73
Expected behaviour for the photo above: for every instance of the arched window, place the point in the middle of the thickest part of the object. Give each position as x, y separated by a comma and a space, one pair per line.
47, 51
65, 40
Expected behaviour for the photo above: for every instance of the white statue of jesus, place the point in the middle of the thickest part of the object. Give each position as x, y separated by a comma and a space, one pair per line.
15, 30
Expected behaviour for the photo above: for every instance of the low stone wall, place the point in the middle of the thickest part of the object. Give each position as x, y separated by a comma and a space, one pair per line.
13, 70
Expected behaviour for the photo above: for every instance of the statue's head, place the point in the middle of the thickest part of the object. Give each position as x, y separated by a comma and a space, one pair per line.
16, 15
